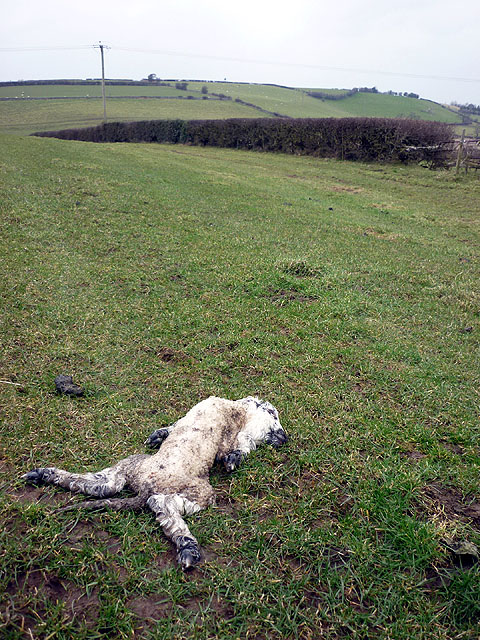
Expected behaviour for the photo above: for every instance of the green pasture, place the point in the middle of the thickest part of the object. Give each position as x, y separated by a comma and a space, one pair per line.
17, 115
27, 116
85, 91
297, 104
346, 294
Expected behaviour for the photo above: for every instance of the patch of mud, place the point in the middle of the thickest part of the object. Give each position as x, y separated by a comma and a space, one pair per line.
218, 349
221, 608
413, 455
150, 608
121, 574
346, 189
435, 579
454, 448
84, 531
450, 504
167, 354
162, 562
251, 371
16, 527
283, 296
310, 480
7, 468
225, 504
31, 494
361, 606
336, 557
384, 235
31, 591
216, 555
315, 599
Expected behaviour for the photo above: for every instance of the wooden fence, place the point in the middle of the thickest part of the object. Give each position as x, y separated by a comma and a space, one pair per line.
467, 153
463, 153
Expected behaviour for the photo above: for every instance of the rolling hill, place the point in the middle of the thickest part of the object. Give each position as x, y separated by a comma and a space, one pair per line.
30, 107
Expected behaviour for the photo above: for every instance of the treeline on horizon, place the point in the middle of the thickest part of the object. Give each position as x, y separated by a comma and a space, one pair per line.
347, 93
87, 82
361, 139
467, 108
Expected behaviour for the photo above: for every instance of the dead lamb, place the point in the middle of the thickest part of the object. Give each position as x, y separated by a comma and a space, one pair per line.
174, 482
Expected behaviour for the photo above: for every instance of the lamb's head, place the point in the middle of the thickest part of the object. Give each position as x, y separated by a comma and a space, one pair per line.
263, 417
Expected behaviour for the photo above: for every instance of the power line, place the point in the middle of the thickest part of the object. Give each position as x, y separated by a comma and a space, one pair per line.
49, 48
294, 64
247, 61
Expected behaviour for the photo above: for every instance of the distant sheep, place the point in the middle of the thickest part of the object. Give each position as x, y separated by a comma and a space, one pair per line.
175, 481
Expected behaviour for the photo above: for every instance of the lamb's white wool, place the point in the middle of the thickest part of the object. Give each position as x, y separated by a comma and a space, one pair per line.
175, 481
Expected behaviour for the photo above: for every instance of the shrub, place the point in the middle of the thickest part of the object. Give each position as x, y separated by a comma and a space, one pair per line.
365, 139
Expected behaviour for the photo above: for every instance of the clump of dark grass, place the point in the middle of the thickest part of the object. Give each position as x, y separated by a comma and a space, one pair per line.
301, 269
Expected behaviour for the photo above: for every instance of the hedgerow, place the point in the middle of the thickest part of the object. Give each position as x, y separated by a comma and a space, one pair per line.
364, 139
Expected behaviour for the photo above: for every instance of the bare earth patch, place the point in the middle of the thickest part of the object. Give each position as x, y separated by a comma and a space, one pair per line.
449, 503
150, 609
30, 592
31, 494
341, 189
454, 448
282, 296
167, 354
413, 455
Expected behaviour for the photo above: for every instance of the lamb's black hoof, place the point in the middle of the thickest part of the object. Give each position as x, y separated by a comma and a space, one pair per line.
233, 460
276, 438
155, 439
36, 476
65, 384
188, 553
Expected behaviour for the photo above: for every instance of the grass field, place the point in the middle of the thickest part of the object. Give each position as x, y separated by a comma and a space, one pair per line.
297, 104
346, 294
25, 116
28, 116
83, 91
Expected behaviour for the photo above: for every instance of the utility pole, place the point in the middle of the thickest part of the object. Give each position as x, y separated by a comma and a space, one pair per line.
102, 47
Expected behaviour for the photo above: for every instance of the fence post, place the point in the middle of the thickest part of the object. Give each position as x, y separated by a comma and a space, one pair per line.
460, 153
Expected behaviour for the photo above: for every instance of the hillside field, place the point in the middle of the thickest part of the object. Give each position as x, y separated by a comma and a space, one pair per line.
23, 116
345, 294
28, 116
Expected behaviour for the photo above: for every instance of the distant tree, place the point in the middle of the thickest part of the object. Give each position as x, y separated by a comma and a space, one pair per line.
152, 77
204, 89
469, 108
181, 86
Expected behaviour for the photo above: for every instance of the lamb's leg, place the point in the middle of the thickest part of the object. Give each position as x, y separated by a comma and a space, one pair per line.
101, 484
169, 509
156, 438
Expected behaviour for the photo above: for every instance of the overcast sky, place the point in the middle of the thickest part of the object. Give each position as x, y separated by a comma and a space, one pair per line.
430, 47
